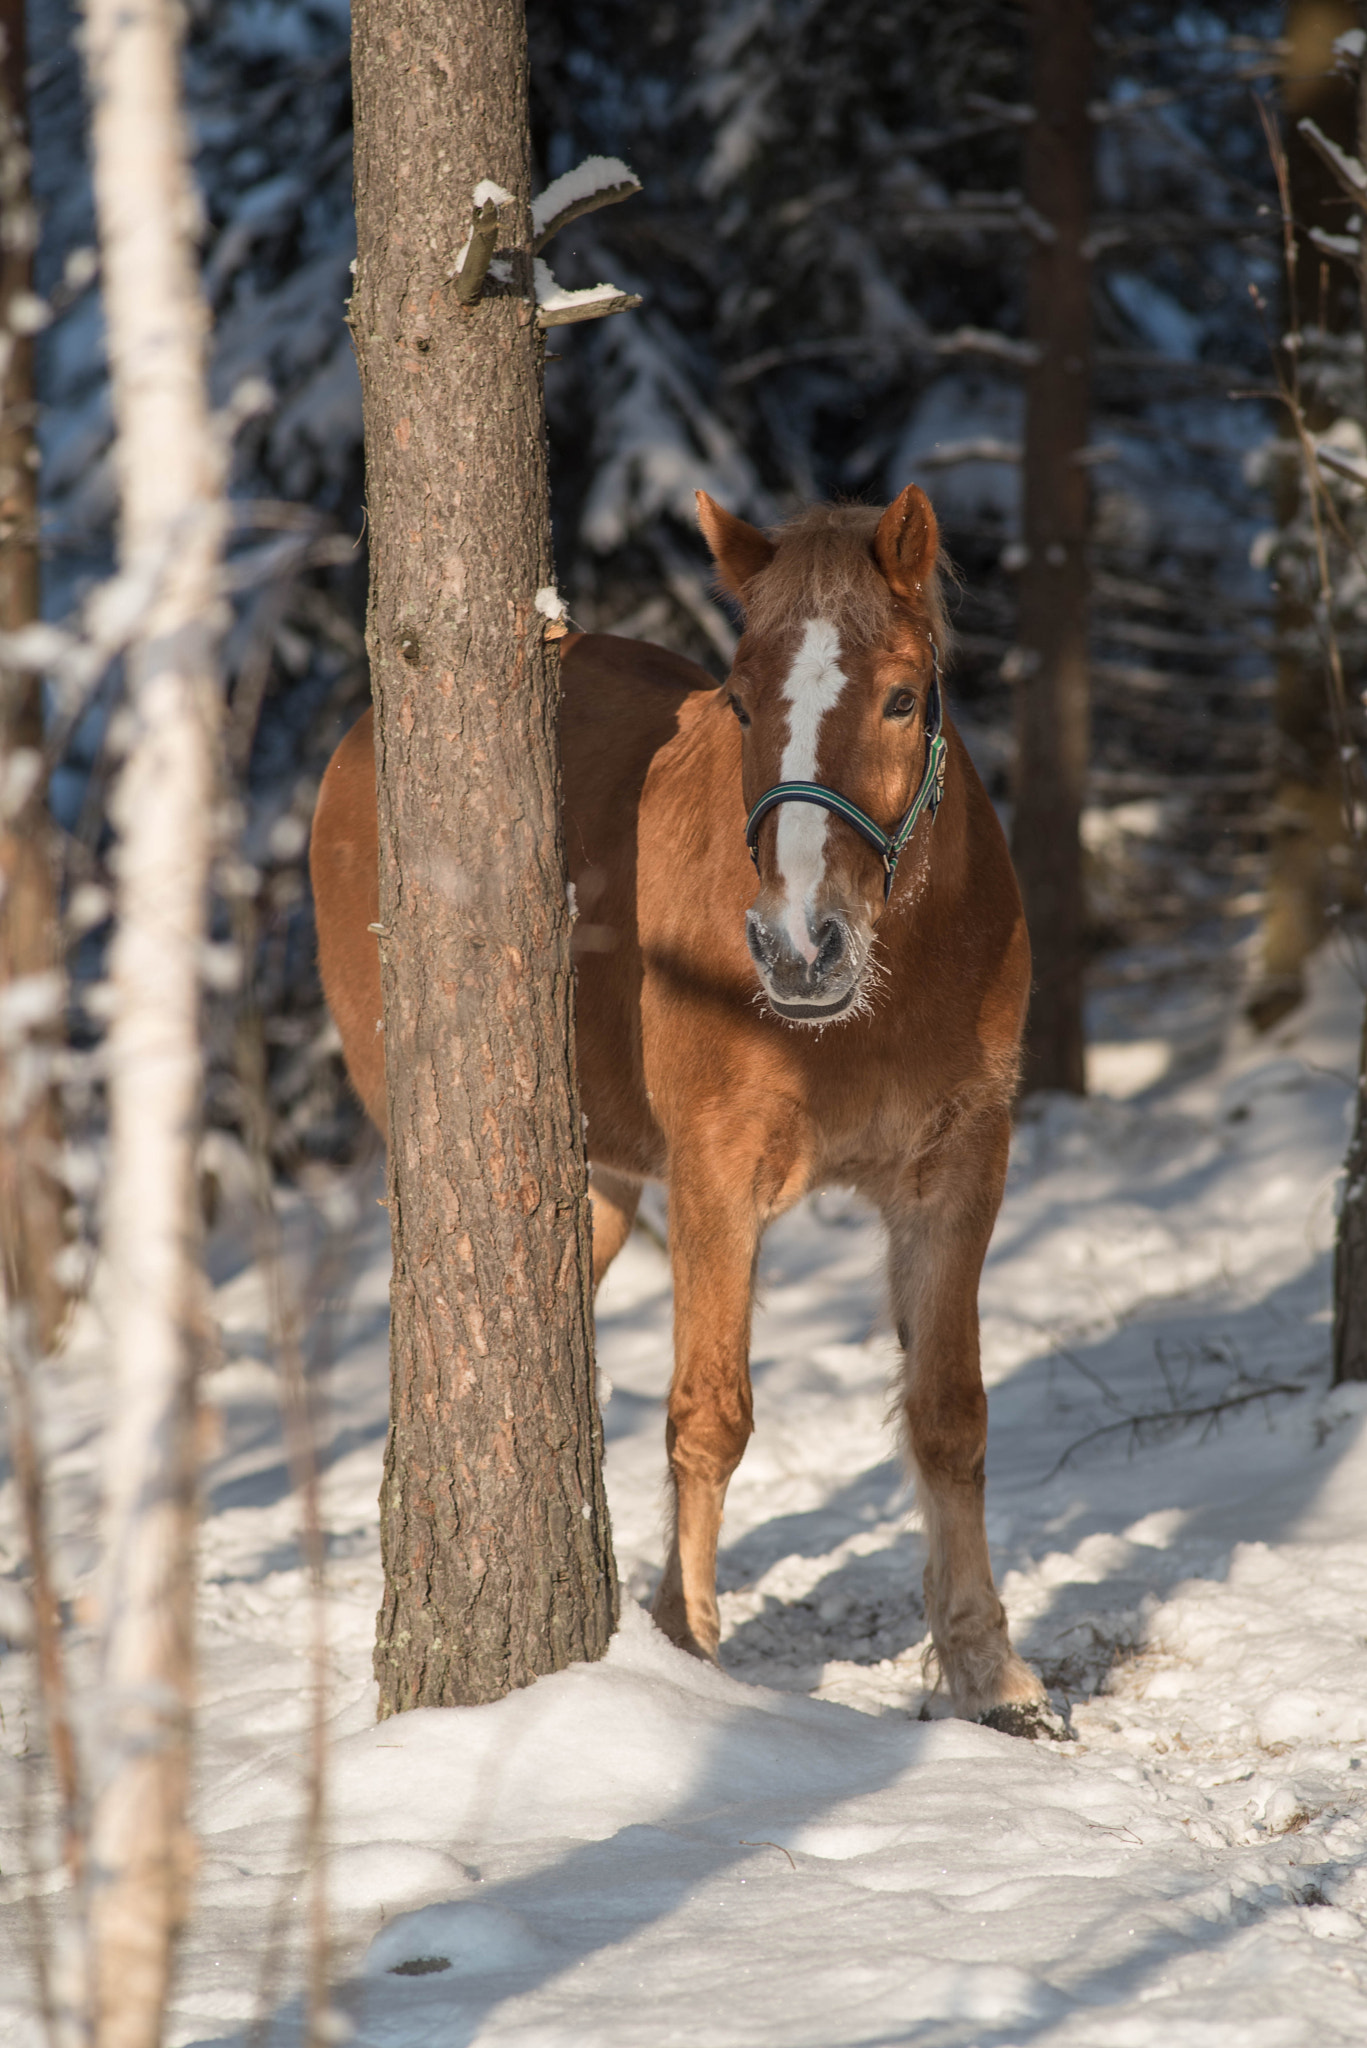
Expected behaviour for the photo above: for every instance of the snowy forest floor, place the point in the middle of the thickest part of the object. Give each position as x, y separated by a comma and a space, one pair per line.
1183, 1555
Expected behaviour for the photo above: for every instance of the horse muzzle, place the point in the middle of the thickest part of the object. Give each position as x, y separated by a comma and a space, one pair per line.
803, 991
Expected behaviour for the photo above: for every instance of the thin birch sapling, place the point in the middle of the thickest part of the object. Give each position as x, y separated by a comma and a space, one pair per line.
168, 467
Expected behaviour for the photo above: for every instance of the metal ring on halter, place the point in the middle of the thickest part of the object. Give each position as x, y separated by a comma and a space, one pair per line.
887, 845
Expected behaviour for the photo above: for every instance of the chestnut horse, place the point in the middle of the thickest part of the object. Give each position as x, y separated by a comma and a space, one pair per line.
850, 1014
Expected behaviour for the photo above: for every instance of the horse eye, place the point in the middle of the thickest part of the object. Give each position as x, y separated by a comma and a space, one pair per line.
900, 704
739, 709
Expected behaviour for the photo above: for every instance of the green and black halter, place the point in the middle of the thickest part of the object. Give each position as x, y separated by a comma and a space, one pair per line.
887, 845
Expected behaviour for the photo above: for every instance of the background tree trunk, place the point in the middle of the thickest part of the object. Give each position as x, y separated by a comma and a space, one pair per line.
494, 1525
171, 530
1053, 693
1350, 1245
31, 1203
1350, 1240
1306, 868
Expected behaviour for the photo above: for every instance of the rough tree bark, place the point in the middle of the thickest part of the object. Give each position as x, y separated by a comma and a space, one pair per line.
31, 1203
1053, 682
494, 1525
171, 528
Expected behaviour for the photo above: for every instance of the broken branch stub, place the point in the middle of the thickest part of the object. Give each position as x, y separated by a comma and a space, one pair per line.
557, 307
590, 203
598, 181
474, 263
569, 309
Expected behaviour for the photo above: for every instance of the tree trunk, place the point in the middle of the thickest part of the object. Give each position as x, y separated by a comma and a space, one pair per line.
31, 1204
1053, 685
1350, 1241
170, 542
1307, 843
494, 1526
1350, 1245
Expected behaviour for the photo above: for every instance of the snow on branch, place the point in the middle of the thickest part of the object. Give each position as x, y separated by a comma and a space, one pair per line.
1351, 174
1348, 50
982, 448
598, 181
964, 341
556, 307
1347, 248
553, 610
983, 341
1345, 465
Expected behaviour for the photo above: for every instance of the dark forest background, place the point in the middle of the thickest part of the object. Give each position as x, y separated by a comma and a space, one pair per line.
831, 248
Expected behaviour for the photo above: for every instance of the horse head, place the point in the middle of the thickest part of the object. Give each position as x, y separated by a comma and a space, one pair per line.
835, 684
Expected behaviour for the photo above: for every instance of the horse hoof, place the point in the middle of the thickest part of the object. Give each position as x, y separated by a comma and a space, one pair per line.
1032, 1720
685, 1640
670, 1622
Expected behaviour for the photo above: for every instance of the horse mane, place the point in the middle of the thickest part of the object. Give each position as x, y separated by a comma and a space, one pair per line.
824, 568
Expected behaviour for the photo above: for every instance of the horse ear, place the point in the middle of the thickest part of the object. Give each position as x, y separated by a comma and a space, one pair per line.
739, 551
907, 542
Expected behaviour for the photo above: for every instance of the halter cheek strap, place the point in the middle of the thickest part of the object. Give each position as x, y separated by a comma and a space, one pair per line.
887, 845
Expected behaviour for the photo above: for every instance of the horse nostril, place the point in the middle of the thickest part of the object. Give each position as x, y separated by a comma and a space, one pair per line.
830, 944
761, 941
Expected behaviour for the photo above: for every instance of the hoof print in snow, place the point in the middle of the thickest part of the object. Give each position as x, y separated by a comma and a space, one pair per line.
420, 1966
1033, 1720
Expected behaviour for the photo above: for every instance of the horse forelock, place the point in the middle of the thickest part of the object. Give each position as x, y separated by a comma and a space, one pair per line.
824, 569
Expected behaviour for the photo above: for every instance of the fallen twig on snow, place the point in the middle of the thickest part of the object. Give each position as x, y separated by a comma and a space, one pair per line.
1174, 1418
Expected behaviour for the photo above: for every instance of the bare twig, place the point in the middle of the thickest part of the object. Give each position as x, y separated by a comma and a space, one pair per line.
1103, 1387
49, 1649
963, 341
1163, 1419
292, 1310
39, 1930
286, 1320
769, 1845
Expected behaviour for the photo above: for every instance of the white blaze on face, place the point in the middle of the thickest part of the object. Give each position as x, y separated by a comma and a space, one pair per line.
813, 686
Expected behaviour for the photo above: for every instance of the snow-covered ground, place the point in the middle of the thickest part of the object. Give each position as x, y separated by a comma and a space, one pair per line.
1178, 1511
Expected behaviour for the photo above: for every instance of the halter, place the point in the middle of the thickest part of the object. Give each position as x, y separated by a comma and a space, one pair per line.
887, 845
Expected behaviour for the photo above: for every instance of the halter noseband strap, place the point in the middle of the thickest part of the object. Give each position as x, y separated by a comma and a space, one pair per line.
887, 845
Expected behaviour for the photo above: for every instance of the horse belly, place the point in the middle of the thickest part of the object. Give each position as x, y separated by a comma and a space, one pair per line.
344, 862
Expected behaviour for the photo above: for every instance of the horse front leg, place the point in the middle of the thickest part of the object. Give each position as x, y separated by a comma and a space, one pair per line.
938, 1238
713, 1236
